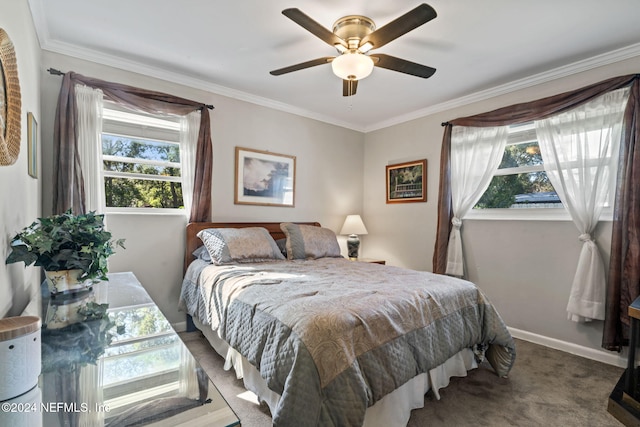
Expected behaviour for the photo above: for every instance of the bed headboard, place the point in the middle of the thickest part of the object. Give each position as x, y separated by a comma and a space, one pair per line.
194, 242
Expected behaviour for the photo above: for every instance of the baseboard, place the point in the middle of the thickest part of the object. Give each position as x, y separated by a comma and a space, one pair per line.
608, 357
179, 326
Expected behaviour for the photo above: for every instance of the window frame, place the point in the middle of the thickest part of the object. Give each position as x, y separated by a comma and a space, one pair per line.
150, 384
144, 123
527, 214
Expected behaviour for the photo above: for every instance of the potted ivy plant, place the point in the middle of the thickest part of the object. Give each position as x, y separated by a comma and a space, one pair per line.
72, 249
78, 343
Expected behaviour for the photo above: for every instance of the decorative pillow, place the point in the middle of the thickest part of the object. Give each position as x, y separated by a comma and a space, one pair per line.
202, 253
309, 242
251, 244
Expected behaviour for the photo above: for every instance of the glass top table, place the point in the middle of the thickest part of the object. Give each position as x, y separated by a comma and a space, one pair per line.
111, 358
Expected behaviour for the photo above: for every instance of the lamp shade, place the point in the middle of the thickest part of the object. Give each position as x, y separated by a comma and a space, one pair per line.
352, 66
353, 225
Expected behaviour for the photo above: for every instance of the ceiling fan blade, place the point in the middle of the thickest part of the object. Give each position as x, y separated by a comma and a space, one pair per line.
399, 26
302, 66
402, 66
349, 87
306, 22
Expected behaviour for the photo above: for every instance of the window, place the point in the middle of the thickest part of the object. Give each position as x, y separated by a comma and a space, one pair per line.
141, 161
520, 181
520, 188
143, 362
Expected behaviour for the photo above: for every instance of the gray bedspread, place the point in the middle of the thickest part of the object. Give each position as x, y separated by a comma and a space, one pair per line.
332, 336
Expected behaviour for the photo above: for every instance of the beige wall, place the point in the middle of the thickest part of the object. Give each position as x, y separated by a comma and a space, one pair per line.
19, 193
329, 170
525, 267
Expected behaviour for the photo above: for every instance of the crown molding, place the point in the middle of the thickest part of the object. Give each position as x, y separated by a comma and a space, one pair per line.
46, 43
536, 79
113, 61
39, 22
137, 67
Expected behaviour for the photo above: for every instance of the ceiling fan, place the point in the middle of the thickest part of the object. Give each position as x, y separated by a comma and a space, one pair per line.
354, 36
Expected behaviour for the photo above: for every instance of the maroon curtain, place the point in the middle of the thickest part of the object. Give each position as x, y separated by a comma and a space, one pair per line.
68, 183
445, 210
624, 263
201, 203
624, 269
68, 186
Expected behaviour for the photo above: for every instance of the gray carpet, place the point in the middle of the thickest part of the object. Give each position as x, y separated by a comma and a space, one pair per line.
546, 387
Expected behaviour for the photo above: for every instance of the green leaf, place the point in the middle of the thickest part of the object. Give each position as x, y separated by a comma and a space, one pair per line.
66, 241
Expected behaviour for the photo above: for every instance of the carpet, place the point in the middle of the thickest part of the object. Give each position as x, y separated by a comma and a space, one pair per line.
546, 387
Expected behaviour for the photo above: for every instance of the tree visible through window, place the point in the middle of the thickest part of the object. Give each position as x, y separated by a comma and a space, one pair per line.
520, 180
140, 172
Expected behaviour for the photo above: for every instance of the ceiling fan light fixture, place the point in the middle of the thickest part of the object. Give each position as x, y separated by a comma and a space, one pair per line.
352, 66
354, 36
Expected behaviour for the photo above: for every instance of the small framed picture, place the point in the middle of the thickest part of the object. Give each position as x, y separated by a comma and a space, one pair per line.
407, 182
32, 145
264, 178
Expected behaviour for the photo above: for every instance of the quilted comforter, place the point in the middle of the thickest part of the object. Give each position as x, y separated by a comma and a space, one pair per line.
332, 336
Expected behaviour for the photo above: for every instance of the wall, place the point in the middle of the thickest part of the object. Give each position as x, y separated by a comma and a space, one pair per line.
329, 166
525, 267
19, 193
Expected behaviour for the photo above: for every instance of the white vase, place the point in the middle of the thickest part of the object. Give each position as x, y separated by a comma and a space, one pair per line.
66, 281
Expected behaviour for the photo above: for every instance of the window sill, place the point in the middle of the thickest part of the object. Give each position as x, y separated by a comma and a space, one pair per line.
535, 214
145, 211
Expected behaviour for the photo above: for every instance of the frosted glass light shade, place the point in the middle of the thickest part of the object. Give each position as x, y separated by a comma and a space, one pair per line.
353, 225
352, 66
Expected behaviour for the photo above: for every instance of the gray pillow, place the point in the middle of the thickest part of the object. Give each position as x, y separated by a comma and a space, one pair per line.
230, 245
310, 242
202, 253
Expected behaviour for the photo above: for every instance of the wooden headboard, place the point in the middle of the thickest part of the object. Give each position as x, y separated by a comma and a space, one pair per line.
194, 242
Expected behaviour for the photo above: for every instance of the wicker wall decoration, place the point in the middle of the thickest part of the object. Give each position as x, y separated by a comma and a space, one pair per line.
10, 103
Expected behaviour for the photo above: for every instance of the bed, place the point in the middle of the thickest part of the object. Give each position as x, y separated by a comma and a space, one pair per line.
330, 342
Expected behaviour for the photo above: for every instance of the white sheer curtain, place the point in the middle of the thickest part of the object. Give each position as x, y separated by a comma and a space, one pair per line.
90, 388
475, 155
580, 151
190, 126
188, 375
89, 127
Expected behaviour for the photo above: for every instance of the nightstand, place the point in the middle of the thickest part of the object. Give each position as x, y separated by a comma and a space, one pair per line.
371, 260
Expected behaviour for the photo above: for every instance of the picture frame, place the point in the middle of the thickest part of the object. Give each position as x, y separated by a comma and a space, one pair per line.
32, 145
407, 182
264, 178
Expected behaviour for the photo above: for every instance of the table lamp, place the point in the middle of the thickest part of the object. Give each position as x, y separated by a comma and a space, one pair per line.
353, 226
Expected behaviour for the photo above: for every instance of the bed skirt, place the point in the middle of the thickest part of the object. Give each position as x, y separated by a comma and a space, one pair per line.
392, 410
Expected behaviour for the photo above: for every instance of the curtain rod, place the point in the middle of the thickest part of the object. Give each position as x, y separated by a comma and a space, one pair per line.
55, 72
60, 73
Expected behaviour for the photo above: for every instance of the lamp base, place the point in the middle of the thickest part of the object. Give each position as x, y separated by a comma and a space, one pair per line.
353, 246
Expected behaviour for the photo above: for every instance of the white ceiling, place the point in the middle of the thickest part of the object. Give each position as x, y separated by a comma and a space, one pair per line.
479, 48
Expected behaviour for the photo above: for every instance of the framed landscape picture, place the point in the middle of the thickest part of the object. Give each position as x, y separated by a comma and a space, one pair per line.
407, 182
264, 178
